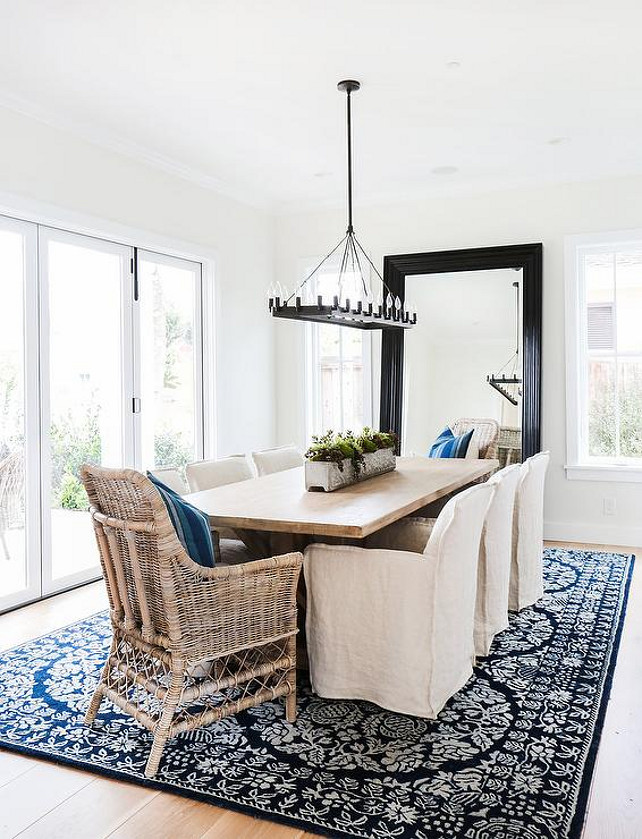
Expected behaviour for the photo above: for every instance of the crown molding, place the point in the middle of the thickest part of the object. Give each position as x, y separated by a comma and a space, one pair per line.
119, 145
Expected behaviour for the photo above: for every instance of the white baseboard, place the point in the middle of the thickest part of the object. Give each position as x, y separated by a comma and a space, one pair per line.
593, 534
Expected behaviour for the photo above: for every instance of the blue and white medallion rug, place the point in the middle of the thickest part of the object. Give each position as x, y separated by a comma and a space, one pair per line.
511, 755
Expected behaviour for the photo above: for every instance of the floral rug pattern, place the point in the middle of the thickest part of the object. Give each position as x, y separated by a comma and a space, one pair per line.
511, 754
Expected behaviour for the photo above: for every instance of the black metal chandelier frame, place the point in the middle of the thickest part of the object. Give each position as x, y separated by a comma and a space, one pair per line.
386, 312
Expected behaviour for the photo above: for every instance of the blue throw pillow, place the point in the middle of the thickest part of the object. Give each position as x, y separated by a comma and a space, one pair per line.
192, 526
447, 445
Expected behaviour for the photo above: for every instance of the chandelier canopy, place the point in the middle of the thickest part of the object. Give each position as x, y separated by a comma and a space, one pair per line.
352, 302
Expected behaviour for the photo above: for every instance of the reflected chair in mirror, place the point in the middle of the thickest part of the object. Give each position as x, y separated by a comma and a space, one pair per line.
190, 645
171, 477
509, 446
207, 474
395, 627
526, 578
277, 459
486, 434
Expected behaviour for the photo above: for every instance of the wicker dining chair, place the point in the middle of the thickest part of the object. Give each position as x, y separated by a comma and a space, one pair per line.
486, 434
190, 645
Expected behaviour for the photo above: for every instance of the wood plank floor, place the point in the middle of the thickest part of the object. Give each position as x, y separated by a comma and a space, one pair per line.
41, 800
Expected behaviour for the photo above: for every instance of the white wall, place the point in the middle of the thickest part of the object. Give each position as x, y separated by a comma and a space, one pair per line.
574, 509
41, 164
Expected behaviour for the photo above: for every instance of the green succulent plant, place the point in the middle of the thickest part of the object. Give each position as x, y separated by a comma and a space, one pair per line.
337, 447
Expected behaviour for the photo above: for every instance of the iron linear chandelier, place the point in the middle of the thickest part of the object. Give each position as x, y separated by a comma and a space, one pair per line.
510, 386
362, 311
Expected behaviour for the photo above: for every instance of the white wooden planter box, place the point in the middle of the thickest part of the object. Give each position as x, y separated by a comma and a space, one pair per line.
327, 476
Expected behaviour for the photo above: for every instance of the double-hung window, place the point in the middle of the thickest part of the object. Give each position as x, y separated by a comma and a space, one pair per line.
338, 371
604, 357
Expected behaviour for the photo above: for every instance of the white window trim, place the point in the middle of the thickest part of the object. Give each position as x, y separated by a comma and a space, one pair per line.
577, 467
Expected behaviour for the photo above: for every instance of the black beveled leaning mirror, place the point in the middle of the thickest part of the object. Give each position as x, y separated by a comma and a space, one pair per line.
475, 353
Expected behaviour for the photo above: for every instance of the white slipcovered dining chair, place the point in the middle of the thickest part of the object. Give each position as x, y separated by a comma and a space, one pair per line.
495, 554
207, 474
495, 558
278, 459
396, 627
171, 477
526, 577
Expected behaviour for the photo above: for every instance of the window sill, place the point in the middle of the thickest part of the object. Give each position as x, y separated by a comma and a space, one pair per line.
605, 472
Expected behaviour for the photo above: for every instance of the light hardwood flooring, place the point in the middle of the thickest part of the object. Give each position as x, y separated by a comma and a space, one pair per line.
40, 799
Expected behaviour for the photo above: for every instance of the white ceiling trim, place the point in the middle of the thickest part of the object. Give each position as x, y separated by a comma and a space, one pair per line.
119, 145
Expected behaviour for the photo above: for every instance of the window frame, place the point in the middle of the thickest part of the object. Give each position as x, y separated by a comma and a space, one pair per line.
579, 465
312, 384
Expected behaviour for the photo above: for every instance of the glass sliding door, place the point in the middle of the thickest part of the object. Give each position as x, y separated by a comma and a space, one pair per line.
101, 362
19, 478
170, 373
87, 364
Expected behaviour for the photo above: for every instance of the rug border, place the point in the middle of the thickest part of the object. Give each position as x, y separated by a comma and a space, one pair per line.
578, 822
160, 786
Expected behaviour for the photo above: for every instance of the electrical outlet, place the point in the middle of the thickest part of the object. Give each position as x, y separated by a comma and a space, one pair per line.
608, 506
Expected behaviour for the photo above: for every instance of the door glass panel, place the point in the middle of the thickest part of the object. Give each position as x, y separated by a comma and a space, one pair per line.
13, 554
85, 389
168, 295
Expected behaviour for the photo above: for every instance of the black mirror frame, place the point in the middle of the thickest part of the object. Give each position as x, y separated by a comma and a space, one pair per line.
529, 259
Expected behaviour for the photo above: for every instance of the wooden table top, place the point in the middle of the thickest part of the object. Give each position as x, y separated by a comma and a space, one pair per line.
281, 503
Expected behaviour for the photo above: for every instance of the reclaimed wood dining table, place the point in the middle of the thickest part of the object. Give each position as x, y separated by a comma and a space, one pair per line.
275, 514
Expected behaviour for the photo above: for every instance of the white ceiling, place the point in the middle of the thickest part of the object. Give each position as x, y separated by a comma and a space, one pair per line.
241, 95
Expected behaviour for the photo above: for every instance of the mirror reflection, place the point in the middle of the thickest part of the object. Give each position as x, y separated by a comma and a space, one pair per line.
463, 366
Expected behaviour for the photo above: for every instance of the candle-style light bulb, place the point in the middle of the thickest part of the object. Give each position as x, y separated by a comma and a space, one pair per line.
278, 291
397, 303
389, 301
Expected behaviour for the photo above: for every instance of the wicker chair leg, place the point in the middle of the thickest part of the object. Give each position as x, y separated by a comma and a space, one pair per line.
94, 705
161, 735
97, 698
290, 699
290, 705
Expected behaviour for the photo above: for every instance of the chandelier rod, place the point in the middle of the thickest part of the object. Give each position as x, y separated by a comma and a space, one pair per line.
348, 86
349, 125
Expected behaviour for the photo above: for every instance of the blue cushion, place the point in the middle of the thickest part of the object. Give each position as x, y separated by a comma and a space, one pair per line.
447, 445
192, 526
